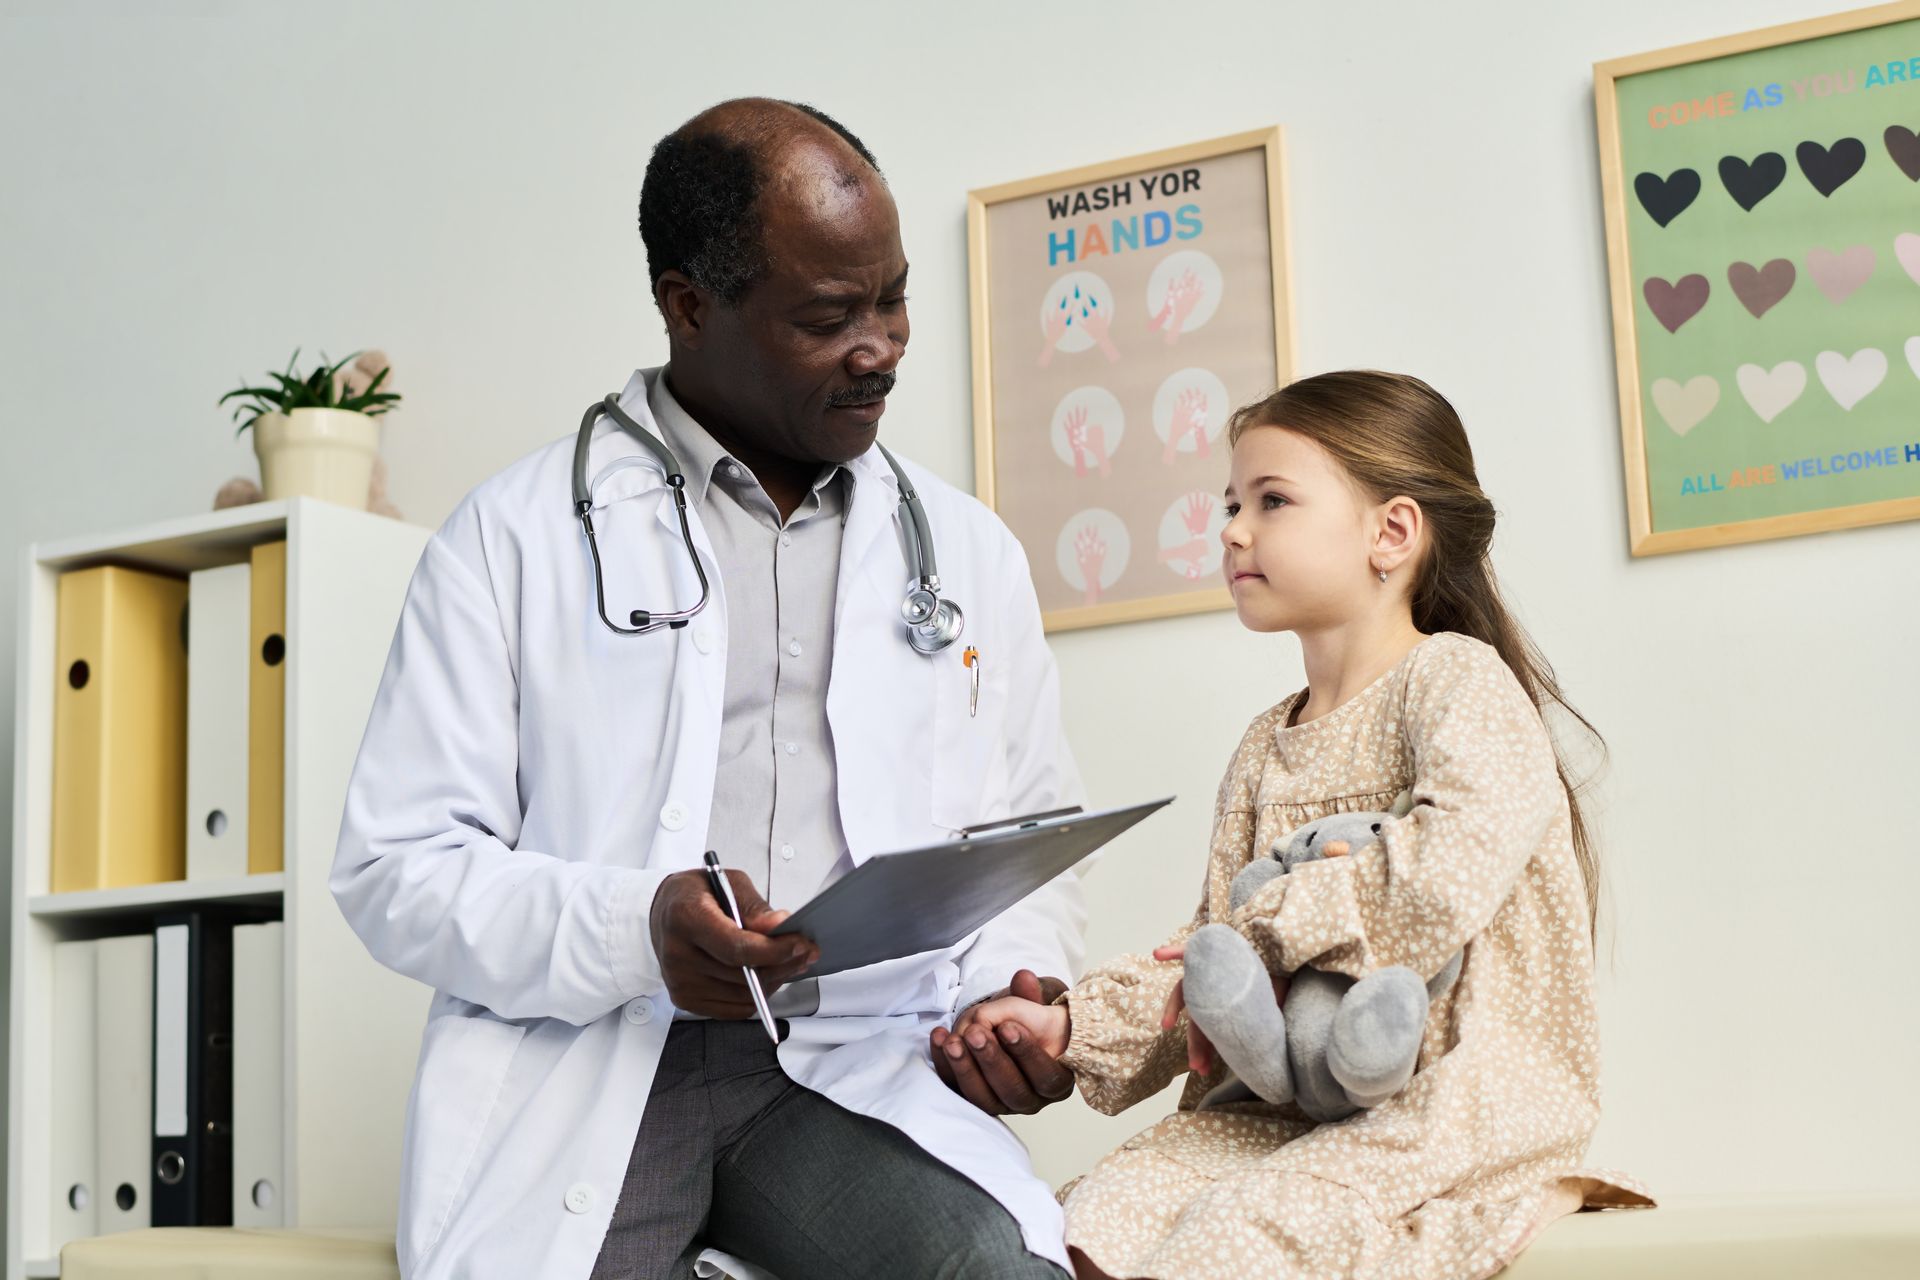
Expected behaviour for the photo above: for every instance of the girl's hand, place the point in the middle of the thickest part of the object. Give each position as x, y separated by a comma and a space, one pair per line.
1003, 1054
1200, 1058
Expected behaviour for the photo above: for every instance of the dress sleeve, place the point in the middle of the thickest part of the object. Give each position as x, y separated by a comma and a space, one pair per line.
1117, 1051
1486, 791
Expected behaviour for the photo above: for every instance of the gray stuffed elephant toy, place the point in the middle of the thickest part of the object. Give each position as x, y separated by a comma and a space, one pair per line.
1336, 1045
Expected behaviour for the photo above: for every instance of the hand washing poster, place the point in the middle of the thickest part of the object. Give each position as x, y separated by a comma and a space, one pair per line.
1764, 237
1120, 313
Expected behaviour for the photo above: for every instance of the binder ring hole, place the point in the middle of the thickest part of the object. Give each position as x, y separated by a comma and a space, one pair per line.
217, 823
273, 650
78, 1197
78, 673
125, 1197
263, 1194
171, 1167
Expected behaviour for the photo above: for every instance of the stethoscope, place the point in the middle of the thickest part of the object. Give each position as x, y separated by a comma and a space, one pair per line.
932, 623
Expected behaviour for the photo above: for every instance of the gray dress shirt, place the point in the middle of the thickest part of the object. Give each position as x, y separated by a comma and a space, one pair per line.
775, 798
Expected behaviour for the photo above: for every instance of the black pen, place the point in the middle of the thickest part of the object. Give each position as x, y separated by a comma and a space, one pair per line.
723, 892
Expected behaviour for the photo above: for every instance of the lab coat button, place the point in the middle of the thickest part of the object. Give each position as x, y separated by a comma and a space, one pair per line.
703, 640
640, 1011
579, 1198
673, 816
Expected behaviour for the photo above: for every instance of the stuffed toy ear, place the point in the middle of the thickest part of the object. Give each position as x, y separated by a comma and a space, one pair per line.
1402, 805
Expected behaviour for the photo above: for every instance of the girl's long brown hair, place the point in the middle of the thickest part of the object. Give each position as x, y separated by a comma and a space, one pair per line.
1394, 435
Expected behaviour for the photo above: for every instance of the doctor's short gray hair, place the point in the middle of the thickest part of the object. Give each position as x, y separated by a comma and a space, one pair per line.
699, 202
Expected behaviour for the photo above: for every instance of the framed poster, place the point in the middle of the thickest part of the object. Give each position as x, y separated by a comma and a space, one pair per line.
1762, 197
1120, 312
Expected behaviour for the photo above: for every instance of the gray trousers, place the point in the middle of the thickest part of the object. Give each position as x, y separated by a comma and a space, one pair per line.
733, 1154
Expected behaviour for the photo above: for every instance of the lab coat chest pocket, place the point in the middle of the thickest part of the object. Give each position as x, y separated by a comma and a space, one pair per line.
969, 741
463, 1063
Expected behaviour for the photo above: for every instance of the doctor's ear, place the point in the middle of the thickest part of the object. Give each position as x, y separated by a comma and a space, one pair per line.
684, 305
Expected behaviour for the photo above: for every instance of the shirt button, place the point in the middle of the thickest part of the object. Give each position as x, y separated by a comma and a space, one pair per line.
786, 539
673, 816
733, 471
793, 647
640, 1011
786, 852
579, 1198
793, 748
703, 641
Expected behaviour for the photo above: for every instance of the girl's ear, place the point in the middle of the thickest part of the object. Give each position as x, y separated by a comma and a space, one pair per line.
1399, 523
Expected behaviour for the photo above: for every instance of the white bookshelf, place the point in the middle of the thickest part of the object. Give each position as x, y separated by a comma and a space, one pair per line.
352, 1028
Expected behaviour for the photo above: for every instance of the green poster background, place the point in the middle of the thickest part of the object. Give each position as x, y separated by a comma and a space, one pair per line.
1872, 208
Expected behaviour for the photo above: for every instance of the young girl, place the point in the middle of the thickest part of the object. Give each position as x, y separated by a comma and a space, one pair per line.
1357, 523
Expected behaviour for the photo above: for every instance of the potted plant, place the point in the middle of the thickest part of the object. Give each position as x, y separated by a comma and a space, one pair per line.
315, 435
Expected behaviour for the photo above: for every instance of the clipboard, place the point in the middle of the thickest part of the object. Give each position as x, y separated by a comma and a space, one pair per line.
927, 899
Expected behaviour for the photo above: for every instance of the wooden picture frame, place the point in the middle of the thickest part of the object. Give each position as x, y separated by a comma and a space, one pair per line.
1173, 265
1796, 147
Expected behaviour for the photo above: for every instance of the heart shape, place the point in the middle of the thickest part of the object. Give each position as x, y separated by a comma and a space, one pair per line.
1913, 355
1828, 168
1675, 303
1848, 379
1839, 274
1770, 391
1749, 184
1667, 198
1759, 288
1684, 406
1903, 144
1906, 247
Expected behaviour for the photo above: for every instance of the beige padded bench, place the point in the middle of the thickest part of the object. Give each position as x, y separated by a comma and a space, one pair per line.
232, 1253
1751, 1239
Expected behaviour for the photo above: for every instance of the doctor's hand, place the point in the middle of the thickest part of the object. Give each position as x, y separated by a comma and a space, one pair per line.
1003, 1054
701, 951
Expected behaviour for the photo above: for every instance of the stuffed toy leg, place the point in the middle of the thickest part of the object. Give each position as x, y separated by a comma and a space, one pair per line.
1229, 996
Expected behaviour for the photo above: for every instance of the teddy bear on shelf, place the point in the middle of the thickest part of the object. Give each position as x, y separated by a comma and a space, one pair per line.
351, 380
1336, 1045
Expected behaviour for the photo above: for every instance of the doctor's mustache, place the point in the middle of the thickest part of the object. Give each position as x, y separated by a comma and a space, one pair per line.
868, 389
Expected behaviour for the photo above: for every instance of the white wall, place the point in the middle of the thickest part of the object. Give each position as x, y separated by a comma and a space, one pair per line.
192, 189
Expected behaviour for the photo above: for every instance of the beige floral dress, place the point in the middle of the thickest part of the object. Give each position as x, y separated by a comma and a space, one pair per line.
1452, 1177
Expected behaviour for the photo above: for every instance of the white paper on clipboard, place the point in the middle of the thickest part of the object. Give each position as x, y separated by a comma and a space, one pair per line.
927, 899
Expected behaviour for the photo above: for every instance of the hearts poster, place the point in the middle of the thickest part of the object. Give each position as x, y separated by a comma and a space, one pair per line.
1120, 313
1763, 221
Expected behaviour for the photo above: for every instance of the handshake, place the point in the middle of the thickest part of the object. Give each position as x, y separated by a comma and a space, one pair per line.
1003, 1054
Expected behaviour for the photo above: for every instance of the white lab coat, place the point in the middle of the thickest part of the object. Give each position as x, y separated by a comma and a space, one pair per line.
528, 778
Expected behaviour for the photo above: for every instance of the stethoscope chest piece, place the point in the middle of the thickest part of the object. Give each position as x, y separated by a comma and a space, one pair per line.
932, 623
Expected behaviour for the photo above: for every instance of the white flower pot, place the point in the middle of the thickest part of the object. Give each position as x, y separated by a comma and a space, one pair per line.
317, 453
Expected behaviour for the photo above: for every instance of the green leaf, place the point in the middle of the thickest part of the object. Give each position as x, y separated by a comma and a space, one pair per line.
318, 389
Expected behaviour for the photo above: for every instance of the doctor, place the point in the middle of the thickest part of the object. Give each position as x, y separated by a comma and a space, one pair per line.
548, 759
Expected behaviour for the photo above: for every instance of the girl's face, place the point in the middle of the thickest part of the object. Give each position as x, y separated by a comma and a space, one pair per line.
1298, 537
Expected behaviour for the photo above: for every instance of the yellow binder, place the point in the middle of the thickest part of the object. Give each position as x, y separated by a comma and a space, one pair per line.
119, 730
267, 712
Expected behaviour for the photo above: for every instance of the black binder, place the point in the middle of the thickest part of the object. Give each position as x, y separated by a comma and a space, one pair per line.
192, 1171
